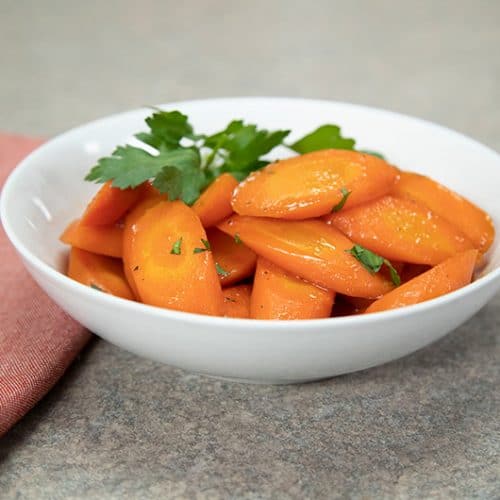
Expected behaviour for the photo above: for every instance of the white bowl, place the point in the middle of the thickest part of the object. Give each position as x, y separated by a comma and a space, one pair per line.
47, 190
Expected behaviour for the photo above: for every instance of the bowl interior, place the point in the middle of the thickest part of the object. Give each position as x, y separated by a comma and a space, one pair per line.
47, 190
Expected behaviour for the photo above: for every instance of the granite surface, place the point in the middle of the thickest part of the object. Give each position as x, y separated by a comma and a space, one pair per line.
118, 426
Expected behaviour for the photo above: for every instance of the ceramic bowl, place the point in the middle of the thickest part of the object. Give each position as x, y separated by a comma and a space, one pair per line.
47, 190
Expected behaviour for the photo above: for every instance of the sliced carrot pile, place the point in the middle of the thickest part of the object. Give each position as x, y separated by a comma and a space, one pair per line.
446, 277
313, 184
278, 294
309, 249
475, 223
402, 230
235, 260
237, 301
109, 205
104, 240
285, 243
99, 272
214, 204
160, 244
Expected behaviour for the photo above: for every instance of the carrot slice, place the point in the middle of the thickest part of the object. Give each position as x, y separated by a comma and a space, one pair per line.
401, 229
100, 272
475, 223
103, 240
150, 199
450, 275
236, 261
160, 242
311, 185
237, 301
278, 294
309, 249
109, 205
214, 204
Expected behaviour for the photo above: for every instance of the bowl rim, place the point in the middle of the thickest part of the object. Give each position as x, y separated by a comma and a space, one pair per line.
243, 323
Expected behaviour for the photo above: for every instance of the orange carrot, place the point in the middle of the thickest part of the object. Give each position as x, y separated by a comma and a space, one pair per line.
237, 301
309, 249
151, 198
475, 223
236, 261
214, 204
109, 205
401, 229
104, 240
160, 241
277, 294
100, 272
313, 184
446, 277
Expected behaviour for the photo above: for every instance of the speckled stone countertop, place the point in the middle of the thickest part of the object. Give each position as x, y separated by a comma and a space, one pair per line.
118, 426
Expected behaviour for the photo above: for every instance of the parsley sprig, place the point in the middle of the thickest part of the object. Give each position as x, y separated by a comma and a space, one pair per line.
181, 163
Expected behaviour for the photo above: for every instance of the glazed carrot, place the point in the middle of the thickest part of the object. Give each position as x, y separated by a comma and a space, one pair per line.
150, 199
160, 241
446, 277
313, 184
109, 205
278, 294
235, 259
401, 229
100, 272
237, 301
214, 204
104, 240
475, 223
309, 249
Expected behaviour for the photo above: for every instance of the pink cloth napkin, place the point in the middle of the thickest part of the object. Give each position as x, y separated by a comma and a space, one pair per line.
38, 341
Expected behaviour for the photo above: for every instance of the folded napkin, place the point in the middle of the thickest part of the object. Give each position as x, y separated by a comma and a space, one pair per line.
38, 341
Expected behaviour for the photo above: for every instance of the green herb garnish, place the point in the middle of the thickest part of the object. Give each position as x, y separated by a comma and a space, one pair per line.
182, 163
373, 262
220, 271
95, 287
324, 137
340, 205
206, 247
237, 239
176, 247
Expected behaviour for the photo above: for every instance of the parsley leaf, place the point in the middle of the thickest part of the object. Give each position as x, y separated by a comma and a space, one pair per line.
220, 271
237, 239
206, 245
240, 146
340, 205
176, 247
129, 166
324, 137
373, 262
396, 279
167, 128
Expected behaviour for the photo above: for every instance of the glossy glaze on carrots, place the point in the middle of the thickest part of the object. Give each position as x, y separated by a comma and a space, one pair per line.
285, 243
